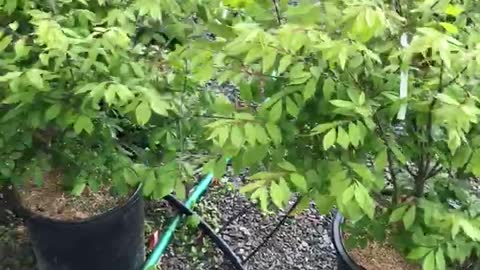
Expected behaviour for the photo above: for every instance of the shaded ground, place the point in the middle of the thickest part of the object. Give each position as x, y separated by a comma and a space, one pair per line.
302, 243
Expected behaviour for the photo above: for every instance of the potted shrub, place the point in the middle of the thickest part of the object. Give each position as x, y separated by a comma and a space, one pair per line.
367, 106
85, 118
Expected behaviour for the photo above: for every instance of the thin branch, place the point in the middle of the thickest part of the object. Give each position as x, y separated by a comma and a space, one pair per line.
425, 165
277, 12
215, 117
390, 161
455, 78
435, 170
441, 87
412, 174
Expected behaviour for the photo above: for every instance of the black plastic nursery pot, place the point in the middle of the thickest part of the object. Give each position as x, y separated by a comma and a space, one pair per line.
113, 240
344, 261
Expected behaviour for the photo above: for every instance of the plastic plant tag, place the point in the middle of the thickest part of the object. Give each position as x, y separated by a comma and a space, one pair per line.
403, 82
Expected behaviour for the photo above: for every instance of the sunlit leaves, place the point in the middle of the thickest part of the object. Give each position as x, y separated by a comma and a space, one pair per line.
329, 139
397, 214
83, 123
34, 76
4, 42
429, 262
143, 113
409, 217
299, 181
285, 62
365, 22
453, 10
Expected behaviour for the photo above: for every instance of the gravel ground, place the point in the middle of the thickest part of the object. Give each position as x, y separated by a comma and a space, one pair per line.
302, 243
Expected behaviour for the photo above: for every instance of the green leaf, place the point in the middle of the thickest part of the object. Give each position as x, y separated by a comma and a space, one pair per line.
475, 163
276, 112
462, 156
343, 104
83, 123
160, 107
53, 111
262, 195
269, 55
143, 113
398, 154
131, 177
110, 94
287, 166
310, 89
418, 253
342, 138
253, 55
10, 75
149, 184
180, 190
454, 10
455, 227
440, 260
34, 76
137, 69
275, 133
252, 186
364, 200
381, 160
409, 217
324, 127
284, 63
223, 133
449, 27
261, 134
328, 88
429, 262
348, 194
78, 189
5, 42
299, 181
301, 206
292, 108
324, 203
250, 131
277, 195
470, 230
246, 92
397, 214
447, 99
354, 134
329, 139
237, 137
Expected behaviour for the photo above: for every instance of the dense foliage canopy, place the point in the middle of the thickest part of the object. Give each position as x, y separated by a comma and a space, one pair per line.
340, 101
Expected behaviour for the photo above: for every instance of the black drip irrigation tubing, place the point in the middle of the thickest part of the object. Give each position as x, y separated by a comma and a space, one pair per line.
222, 245
273, 232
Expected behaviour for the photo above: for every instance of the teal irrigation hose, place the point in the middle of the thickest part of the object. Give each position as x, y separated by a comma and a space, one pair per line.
167, 236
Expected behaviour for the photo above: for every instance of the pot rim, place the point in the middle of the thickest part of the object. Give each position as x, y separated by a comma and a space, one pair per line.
29, 214
338, 242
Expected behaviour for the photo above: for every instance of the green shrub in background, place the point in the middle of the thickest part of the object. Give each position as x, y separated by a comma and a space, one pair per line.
368, 106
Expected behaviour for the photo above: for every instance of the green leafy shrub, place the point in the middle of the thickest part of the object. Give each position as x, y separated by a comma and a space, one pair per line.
343, 110
79, 81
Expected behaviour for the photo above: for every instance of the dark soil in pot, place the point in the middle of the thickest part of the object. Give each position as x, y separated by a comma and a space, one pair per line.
51, 200
375, 256
96, 231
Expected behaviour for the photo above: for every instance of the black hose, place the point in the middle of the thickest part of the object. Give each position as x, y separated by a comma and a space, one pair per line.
275, 230
222, 245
